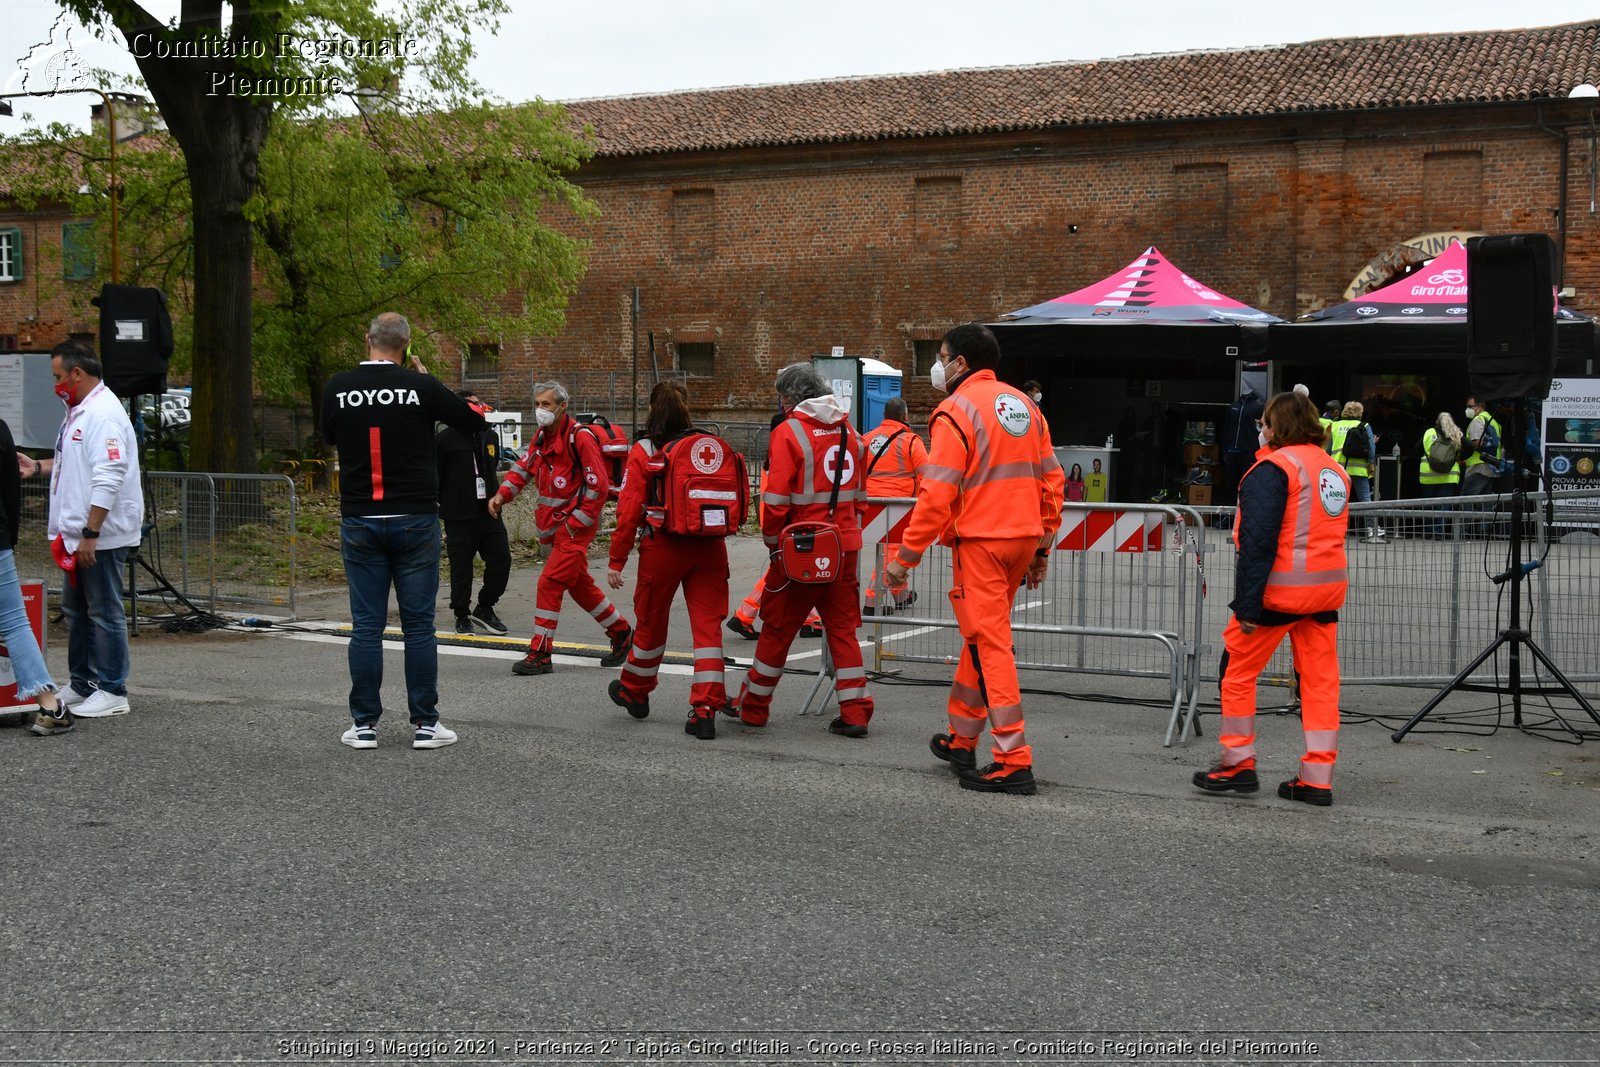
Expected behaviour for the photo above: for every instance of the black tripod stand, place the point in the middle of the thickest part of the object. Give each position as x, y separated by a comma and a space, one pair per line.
1514, 637
137, 560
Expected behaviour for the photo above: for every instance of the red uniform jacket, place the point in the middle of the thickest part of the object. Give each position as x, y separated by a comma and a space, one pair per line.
801, 462
567, 469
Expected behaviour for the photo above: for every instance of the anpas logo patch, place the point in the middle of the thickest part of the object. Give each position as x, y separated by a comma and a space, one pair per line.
1331, 489
1012, 413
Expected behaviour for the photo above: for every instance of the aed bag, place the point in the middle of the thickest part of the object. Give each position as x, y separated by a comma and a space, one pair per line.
698, 487
812, 553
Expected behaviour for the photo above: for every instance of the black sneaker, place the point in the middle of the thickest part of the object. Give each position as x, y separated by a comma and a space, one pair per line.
1220, 779
997, 779
847, 729
464, 625
809, 630
1295, 789
702, 724
639, 709
491, 621
619, 649
742, 628
534, 663
960, 759
49, 723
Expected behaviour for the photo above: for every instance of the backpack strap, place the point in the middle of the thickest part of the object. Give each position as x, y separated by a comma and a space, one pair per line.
882, 452
838, 467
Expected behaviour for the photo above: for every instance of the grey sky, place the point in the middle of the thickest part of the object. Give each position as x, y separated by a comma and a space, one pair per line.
567, 50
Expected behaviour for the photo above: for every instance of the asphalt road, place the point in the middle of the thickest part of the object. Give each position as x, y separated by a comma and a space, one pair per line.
214, 878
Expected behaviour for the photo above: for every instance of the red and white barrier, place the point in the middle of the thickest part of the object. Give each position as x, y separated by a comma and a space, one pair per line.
1081, 530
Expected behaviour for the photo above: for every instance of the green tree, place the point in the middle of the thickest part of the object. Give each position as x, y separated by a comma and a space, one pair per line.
224, 78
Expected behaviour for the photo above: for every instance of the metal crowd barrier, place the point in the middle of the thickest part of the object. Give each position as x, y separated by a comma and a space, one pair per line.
1124, 596
1422, 603
221, 540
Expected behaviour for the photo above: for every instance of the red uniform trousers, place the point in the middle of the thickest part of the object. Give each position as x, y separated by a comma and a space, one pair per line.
700, 566
566, 570
750, 607
1316, 658
987, 575
783, 609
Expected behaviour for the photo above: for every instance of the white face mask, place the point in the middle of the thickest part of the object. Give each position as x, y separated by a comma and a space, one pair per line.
1471, 414
544, 416
1038, 398
1261, 436
936, 375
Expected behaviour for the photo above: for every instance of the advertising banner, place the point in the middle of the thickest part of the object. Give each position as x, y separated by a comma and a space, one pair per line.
1571, 434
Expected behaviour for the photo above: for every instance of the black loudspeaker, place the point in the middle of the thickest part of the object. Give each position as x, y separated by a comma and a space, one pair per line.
135, 339
1511, 315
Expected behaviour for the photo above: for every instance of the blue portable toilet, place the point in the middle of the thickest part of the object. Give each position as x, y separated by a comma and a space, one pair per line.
879, 382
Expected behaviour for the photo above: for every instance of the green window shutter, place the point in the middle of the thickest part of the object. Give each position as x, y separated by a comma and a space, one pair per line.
77, 251
10, 254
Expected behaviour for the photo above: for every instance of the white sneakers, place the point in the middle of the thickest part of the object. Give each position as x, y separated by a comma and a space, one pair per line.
361, 737
436, 736
71, 697
97, 705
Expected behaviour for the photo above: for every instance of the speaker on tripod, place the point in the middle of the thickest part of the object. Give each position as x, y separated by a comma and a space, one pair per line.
1511, 316
1511, 337
135, 339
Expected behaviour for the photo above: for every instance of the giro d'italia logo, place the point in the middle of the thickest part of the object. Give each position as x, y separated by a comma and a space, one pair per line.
1012, 414
52, 65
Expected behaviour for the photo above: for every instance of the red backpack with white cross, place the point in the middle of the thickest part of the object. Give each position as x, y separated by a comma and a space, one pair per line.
698, 487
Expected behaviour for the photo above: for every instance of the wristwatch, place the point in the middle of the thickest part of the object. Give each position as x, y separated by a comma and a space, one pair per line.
88, 533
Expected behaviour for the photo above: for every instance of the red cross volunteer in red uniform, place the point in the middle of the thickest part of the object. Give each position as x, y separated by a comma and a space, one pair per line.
565, 466
991, 490
813, 451
695, 558
1290, 581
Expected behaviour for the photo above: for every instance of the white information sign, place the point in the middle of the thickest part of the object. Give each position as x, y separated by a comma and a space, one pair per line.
11, 392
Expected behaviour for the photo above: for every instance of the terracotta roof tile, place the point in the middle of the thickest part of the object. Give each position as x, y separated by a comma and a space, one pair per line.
1329, 75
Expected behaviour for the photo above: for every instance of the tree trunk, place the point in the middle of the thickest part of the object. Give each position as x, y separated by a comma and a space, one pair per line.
221, 138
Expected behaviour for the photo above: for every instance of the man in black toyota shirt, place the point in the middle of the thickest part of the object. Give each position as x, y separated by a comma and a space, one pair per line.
467, 480
381, 416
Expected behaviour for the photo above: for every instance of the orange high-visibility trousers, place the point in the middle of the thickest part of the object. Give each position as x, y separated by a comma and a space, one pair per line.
987, 575
750, 607
1316, 659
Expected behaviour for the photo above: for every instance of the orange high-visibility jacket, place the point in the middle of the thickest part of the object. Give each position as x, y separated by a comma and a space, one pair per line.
1309, 573
898, 471
991, 472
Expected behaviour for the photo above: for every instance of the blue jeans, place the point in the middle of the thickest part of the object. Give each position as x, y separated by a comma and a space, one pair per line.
27, 663
97, 627
378, 553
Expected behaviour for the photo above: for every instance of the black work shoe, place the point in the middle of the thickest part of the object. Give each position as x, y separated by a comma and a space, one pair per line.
464, 625
1295, 789
491, 621
960, 759
619, 649
742, 628
810, 631
638, 709
847, 729
533, 663
731, 710
702, 724
1220, 779
997, 779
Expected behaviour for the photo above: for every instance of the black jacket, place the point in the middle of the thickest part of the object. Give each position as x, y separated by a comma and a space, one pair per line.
380, 416
10, 488
462, 459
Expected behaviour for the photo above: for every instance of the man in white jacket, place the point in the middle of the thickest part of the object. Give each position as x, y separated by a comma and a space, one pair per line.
97, 510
